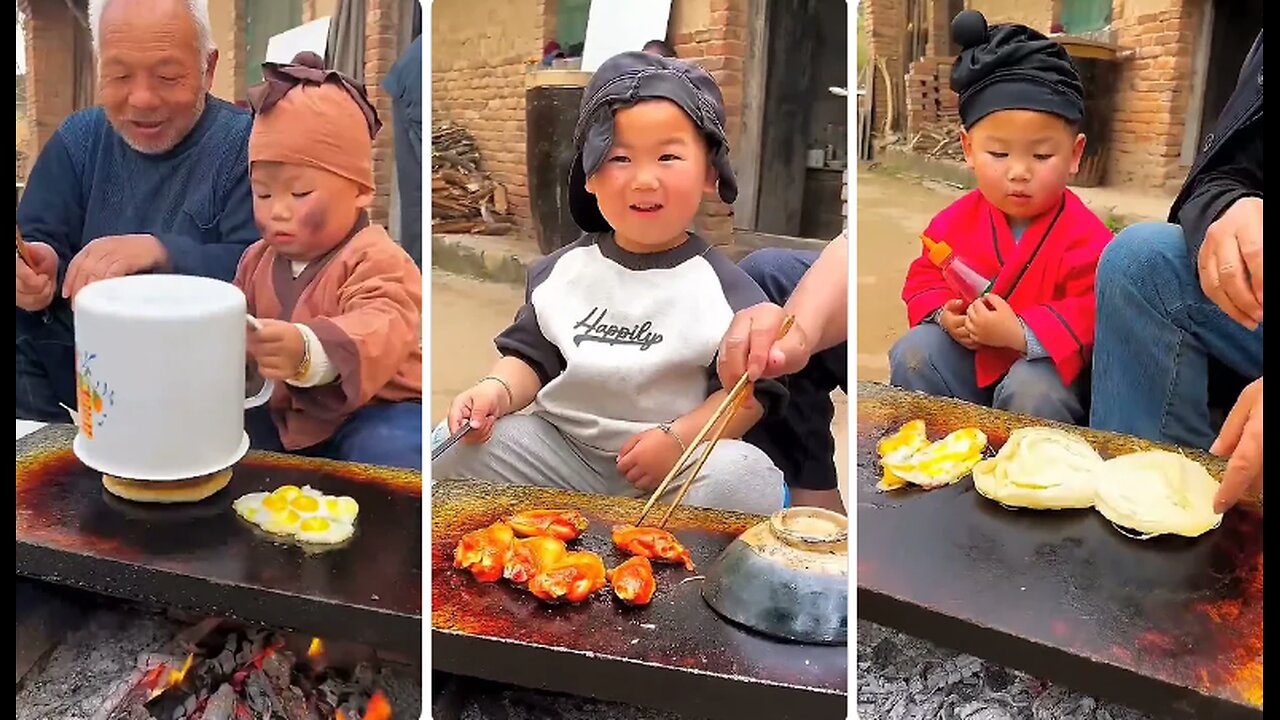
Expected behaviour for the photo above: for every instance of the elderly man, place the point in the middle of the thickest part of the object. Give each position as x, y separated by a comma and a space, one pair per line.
1177, 300
154, 179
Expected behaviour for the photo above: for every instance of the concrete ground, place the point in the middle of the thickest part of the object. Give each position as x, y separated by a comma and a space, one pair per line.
892, 212
467, 313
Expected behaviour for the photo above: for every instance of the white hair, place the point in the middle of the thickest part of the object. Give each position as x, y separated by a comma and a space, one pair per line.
197, 9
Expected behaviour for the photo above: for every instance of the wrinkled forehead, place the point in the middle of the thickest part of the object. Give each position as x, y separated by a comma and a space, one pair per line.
147, 26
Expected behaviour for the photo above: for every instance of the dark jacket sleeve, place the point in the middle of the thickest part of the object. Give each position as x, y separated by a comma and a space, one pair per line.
1236, 174
1229, 166
52, 207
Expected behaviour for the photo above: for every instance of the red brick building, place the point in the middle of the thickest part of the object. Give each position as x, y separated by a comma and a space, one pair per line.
482, 49
60, 82
1176, 64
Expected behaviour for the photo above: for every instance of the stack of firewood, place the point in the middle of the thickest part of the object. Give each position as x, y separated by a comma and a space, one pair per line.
938, 140
464, 199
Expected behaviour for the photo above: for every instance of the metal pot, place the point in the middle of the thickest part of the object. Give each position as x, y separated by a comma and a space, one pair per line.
787, 577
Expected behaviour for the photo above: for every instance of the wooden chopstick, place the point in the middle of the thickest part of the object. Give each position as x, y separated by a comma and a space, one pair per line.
711, 445
720, 421
23, 251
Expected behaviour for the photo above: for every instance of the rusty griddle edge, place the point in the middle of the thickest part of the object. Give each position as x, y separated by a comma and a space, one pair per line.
686, 691
386, 630
1163, 699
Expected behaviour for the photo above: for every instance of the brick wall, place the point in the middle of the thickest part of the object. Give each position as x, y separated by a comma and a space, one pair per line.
931, 104
1036, 14
713, 34
478, 53
48, 33
381, 51
227, 18
1153, 89
885, 22
313, 9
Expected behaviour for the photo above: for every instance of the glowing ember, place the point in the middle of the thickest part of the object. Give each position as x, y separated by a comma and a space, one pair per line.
243, 675
379, 708
1241, 656
152, 678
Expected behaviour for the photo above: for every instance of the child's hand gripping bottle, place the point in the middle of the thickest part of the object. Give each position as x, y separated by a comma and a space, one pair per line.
967, 282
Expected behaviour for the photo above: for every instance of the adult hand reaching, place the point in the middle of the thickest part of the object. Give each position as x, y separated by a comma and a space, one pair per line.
1230, 262
751, 345
113, 256
1241, 440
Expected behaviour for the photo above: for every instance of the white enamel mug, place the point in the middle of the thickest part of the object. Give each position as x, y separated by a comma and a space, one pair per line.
160, 377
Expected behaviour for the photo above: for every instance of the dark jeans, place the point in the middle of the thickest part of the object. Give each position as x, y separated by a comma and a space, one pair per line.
44, 361
798, 440
388, 434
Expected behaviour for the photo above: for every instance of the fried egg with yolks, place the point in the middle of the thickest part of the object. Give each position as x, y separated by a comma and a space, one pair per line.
323, 531
937, 464
303, 513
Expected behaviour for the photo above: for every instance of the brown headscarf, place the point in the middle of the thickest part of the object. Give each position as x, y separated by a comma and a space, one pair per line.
307, 115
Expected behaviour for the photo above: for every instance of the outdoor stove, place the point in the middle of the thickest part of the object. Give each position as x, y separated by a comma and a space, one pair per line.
122, 661
1171, 626
267, 629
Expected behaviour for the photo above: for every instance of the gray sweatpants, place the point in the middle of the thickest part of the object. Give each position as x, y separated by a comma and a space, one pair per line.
529, 450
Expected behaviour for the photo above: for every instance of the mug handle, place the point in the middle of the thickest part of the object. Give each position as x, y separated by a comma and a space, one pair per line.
264, 394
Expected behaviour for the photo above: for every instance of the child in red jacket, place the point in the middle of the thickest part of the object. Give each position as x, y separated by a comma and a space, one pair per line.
1023, 345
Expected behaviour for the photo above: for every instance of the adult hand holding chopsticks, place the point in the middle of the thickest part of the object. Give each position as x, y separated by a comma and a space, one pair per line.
36, 275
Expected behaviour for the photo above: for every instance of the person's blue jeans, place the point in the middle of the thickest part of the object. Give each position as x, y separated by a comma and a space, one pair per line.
798, 439
388, 434
1157, 338
44, 365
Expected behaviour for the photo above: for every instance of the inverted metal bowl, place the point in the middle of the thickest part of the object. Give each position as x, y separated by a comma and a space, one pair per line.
787, 577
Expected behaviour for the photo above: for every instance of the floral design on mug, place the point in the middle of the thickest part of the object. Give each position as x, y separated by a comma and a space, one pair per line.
92, 397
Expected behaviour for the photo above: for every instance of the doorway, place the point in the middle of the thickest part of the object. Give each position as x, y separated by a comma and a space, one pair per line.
804, 147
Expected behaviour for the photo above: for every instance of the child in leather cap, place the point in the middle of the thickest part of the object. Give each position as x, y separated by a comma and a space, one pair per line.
1024, 345
615, 346
338, 303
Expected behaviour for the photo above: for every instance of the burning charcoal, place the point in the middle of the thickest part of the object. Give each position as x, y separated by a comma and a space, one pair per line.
278, 667
225, 662
982, 710
262, 697
221, 704
329, 692
363, 676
